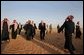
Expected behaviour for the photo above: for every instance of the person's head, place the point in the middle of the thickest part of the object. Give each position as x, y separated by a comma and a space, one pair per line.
32, 22
42, 21
5, 19
29, 21
70, 17
78, 22
14, 21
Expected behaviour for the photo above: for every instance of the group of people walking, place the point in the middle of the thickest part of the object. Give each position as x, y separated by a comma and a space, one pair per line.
6, 27
30, 30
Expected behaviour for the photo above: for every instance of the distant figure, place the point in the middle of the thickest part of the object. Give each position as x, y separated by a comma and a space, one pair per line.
19, 27
69, 29
5, 30
42, 28
50, 28
47, 29
33, 29
28, 28
58, 27
78, 31
14, 27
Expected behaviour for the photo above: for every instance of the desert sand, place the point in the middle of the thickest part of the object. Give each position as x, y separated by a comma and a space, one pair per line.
53, 44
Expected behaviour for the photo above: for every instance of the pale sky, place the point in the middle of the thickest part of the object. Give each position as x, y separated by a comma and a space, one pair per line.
54, 12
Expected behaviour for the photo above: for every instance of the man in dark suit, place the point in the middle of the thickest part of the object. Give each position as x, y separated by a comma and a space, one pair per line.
58, 27
28, 29
78, 31
5, 30
14, 27
69, 29
25, 28
33, 29
42, 28
50, 28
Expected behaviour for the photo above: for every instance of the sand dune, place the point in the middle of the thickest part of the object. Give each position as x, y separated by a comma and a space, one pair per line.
53, 44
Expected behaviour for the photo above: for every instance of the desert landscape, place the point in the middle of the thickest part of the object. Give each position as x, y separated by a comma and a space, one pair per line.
42, 14
53, 44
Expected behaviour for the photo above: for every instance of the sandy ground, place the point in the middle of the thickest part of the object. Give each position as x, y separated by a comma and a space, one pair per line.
53, 44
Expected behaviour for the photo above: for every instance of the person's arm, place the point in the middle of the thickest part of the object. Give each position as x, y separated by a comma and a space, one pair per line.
35, 26
73, 27
24, 27
45, 25
39, 26
61, 28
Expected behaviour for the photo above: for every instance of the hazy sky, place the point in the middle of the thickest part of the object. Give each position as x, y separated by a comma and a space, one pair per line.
53, 12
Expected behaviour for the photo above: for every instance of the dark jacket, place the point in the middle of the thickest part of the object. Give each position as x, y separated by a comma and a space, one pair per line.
14, 33
42, 27
12, 27
69, 28
25, 27
78, 31
28, 28
5, 32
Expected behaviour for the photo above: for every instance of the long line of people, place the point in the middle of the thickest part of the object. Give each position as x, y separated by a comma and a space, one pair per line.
30, 30
6, 27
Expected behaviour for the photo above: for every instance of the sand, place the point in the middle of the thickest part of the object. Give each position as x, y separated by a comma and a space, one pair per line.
53, 44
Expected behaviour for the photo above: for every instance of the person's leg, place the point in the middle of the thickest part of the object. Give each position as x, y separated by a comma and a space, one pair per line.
25, 32
34, 31
8, 36
41, 35
27, 35
32, 35
71, 52
76, 34
19, 31
71, 47
15, 34
3, 37
66, 45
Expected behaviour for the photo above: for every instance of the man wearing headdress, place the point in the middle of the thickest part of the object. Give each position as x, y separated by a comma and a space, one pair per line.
19, 27
42, 28
33, 29
50, 28
14, 27
5, 29
69, 29
78, 31
28, 29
